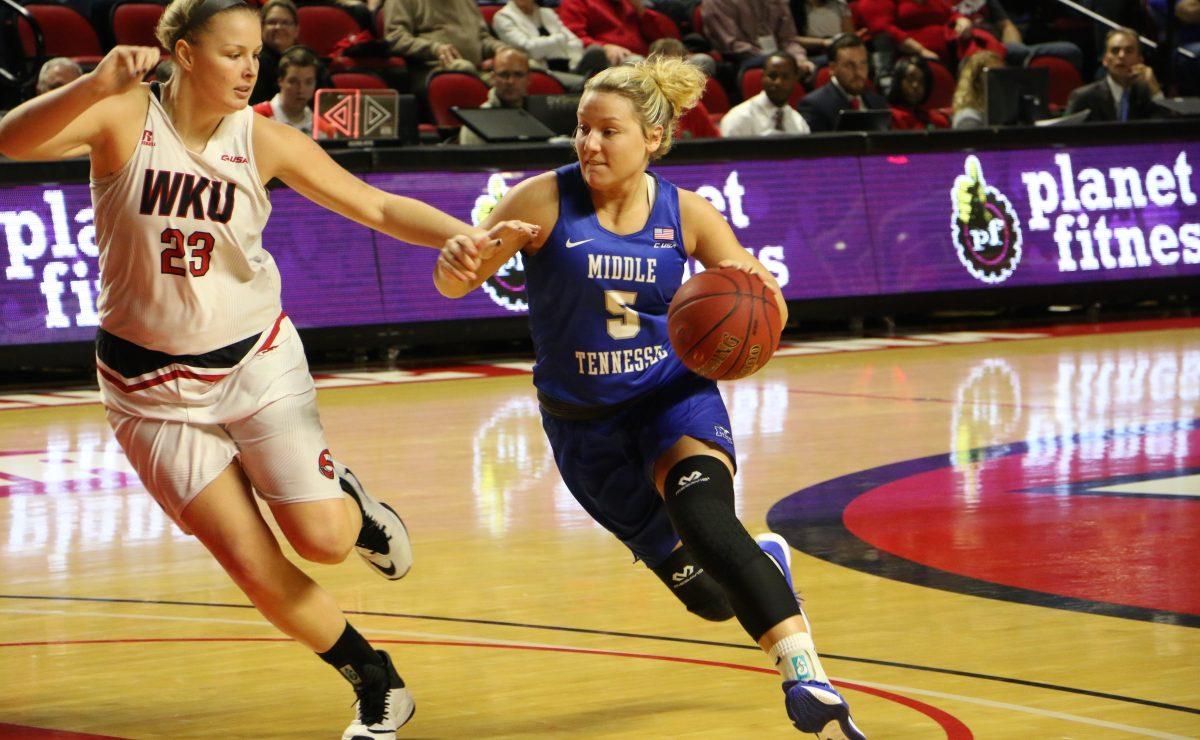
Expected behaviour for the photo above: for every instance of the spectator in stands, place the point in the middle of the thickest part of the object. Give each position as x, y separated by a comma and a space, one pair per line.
748, 31
297, 82
55, 73
695, 123
768, 113
970, 107
990, 16
912, 82
540, 32
819, 23
280, 29
1187, 24
624, 28
847, 89
929, 28
437, 35
510, 87
1128, 91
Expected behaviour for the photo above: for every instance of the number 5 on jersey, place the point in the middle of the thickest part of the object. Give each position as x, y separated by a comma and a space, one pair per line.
619, 303
201, 243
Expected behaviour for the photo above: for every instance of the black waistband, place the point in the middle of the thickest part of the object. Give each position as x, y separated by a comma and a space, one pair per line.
573, 412
132, 360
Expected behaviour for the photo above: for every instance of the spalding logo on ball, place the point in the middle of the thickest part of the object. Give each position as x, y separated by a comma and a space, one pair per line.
724, 323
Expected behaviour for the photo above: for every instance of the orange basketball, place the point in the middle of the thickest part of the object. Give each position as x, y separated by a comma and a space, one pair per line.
724, 323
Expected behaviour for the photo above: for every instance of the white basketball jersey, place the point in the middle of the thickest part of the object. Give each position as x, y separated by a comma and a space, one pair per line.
182, 266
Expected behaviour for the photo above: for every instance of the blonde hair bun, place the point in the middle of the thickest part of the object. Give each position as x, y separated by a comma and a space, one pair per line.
661, 89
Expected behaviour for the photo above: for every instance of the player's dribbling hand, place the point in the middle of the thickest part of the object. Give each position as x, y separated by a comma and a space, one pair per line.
123, 67
753, 268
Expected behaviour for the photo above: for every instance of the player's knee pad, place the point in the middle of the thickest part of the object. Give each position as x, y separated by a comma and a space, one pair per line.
699, 500
698, 591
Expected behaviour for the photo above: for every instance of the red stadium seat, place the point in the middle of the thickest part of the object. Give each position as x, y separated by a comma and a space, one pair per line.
541, 83
822, 78
715, 99
134, 23
751, 84
489, 12
698, 19
447, 89
941, 91
358, 80
1063, 78
322, 26
65, 32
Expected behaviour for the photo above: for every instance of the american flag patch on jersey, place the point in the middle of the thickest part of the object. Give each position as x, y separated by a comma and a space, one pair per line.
664, 235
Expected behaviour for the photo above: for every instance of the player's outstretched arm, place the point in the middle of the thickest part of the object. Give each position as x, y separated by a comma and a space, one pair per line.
708, 238
521, 220
284, 152
73, 120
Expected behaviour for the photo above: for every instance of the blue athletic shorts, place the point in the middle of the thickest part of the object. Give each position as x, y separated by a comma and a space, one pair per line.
608, 463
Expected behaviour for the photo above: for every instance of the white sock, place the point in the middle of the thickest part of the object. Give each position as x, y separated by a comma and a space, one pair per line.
796, 658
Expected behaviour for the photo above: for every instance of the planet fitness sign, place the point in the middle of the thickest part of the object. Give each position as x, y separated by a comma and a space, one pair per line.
830, 227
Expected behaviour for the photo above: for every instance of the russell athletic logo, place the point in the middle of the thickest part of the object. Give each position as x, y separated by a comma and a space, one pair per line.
985, 229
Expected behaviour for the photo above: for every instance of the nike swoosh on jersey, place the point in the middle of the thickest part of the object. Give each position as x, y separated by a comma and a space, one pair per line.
576, 244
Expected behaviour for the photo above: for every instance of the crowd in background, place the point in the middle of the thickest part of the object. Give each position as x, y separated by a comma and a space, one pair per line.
776, 67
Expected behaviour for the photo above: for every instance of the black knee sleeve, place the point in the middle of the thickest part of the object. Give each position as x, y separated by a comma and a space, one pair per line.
698, 591
699, 499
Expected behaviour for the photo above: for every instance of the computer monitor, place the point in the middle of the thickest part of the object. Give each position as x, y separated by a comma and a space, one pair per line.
558, 112
1015, 95
502, 124
863, 120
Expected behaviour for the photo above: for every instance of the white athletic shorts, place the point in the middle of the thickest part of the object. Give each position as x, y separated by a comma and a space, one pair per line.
182, 423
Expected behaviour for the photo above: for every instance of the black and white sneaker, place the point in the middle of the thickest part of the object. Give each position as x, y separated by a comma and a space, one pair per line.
383, 540
383, 704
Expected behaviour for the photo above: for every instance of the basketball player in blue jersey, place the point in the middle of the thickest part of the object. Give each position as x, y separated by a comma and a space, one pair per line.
202, 375
642, 443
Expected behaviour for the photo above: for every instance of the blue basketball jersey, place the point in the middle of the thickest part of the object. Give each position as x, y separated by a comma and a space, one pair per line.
598, 300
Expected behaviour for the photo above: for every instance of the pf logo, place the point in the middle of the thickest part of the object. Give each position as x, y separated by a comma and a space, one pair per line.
984, 227
325, 464
507, 287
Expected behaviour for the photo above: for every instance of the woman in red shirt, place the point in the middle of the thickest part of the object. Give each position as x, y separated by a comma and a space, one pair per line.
911, 86
931, 29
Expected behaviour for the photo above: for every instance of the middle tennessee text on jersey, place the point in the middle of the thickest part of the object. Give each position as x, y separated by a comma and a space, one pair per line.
598, 300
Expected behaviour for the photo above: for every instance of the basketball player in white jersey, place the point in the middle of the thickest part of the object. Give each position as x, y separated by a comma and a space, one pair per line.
203, 376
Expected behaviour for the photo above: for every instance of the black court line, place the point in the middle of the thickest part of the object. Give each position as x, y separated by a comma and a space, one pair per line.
639, 636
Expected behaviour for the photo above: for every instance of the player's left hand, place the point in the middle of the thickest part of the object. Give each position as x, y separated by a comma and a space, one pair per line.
754, 268
505, 236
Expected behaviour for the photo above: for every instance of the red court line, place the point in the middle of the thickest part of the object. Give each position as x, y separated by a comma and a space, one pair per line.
954, 728
21, 732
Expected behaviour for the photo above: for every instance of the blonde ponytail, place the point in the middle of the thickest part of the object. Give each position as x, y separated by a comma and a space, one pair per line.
661, 89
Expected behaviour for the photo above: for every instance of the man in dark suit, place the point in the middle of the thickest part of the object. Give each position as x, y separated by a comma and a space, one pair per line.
846, 89
1128, 91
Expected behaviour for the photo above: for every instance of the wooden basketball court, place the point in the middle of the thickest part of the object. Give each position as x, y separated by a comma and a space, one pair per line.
998, 536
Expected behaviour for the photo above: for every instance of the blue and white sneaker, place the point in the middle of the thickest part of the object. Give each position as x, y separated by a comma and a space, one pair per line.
383, 540
778, 549
817, 707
